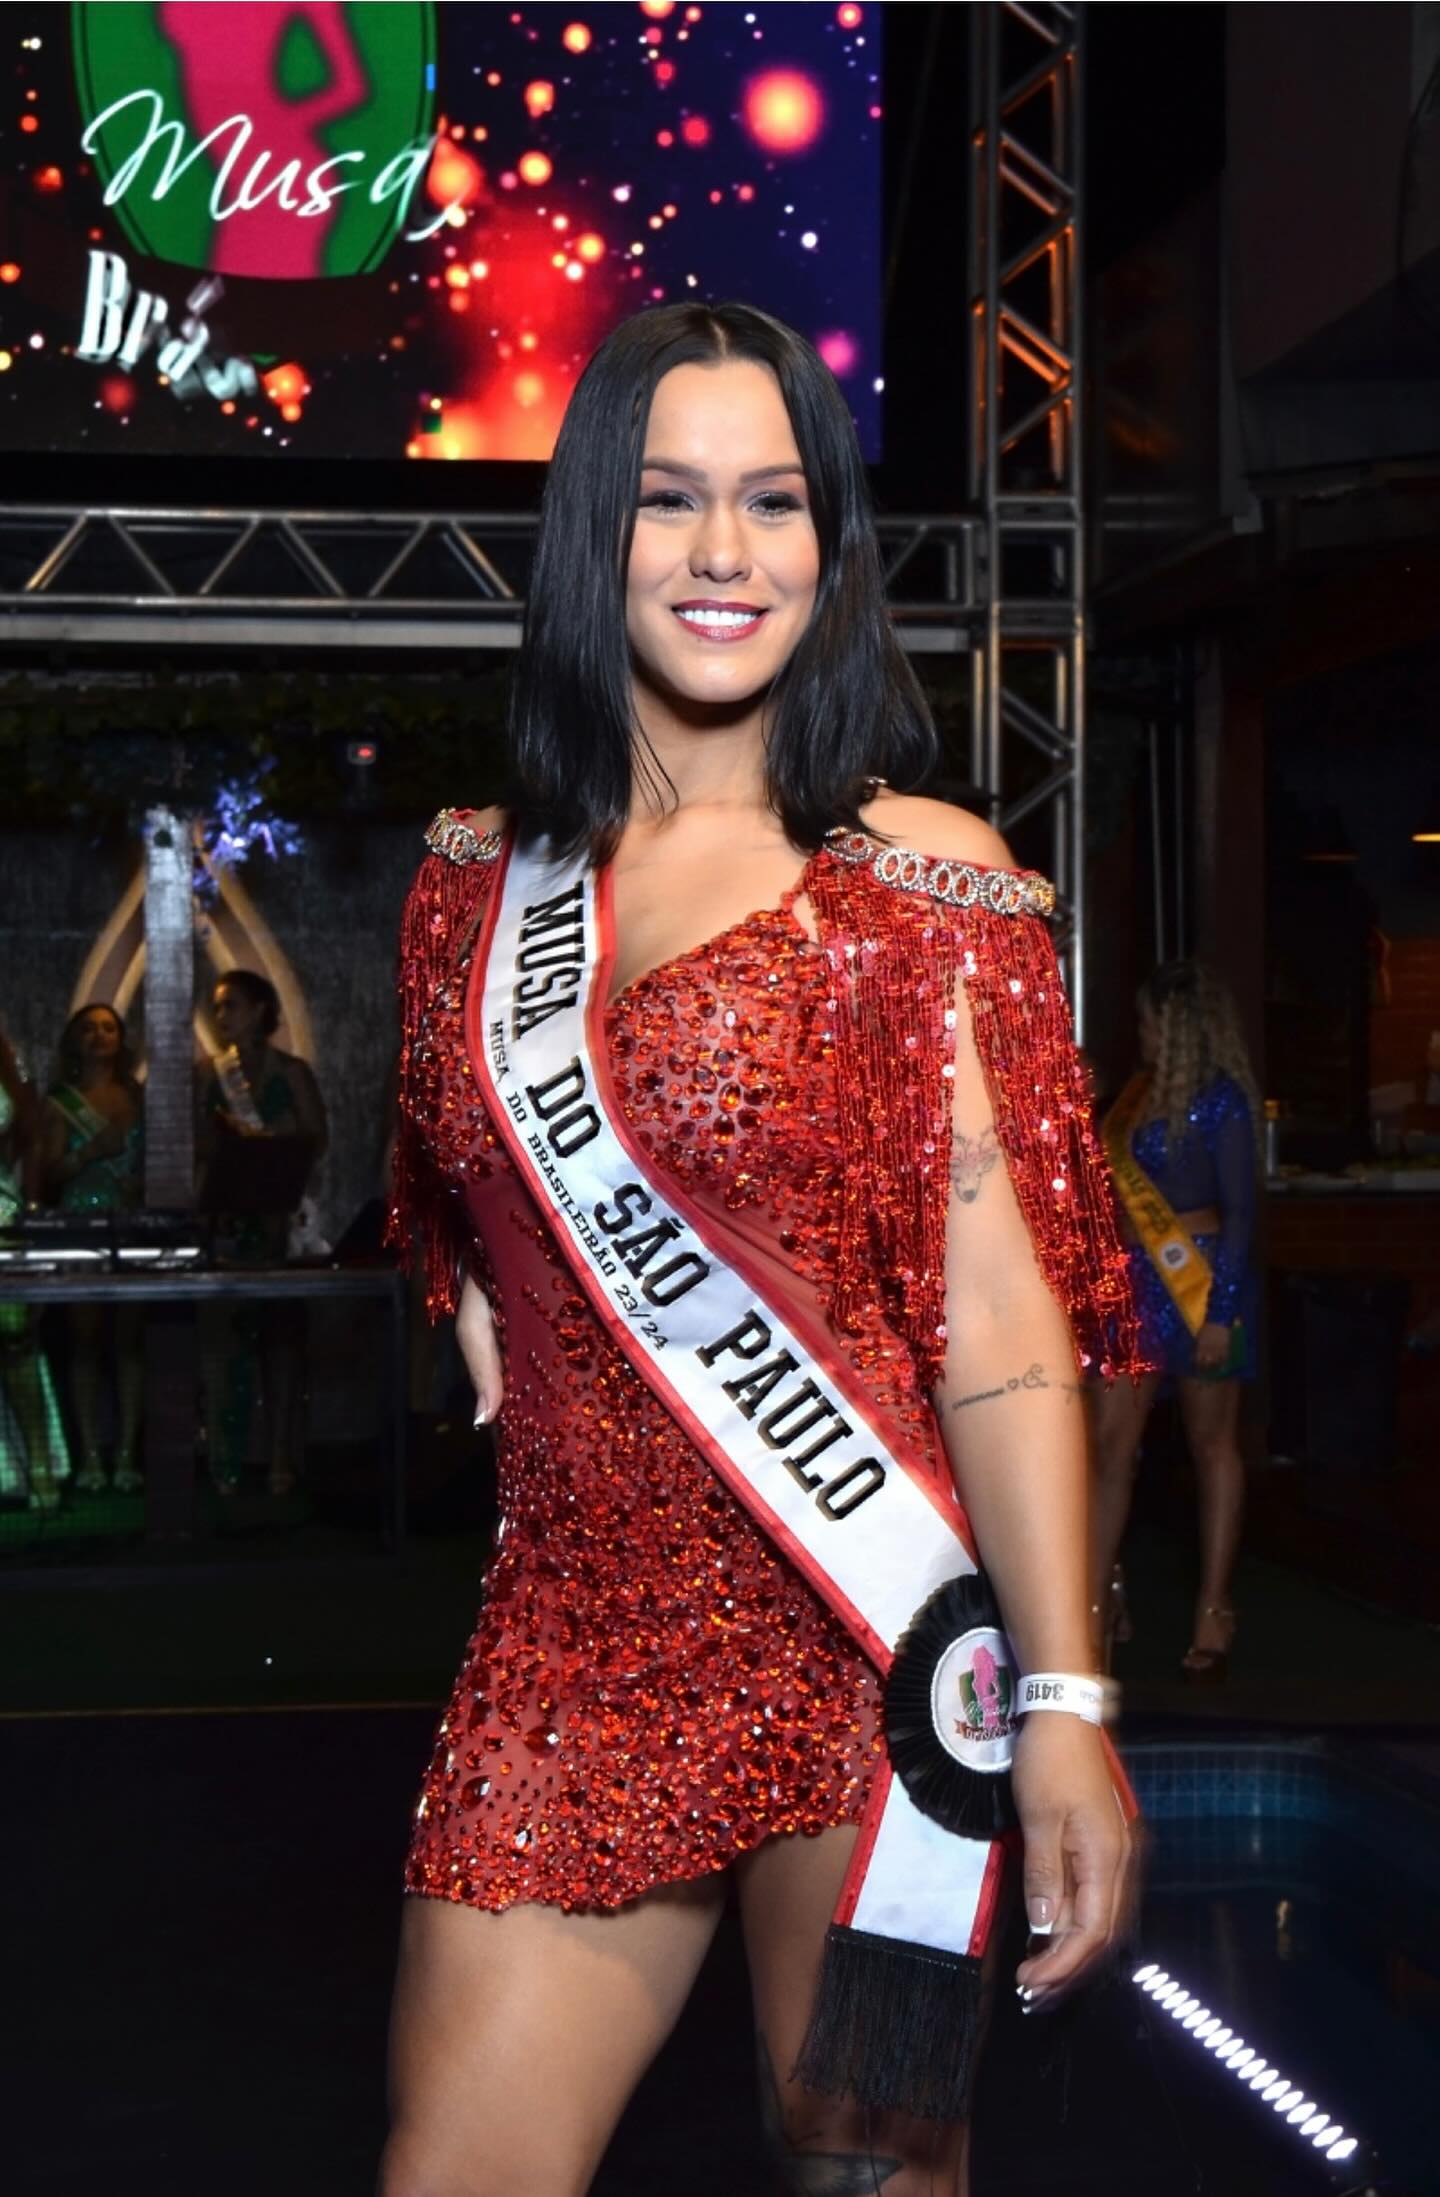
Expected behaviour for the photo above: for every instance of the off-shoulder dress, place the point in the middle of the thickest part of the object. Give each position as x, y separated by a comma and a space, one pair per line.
651, 1688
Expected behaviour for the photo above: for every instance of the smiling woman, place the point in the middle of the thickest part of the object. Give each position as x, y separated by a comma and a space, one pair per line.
697, 1064
724, 551
714, 449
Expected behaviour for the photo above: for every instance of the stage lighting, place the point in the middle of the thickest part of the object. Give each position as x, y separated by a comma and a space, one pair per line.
1294, 2105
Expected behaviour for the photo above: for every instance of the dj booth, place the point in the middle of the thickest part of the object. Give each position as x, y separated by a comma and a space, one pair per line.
169, 1264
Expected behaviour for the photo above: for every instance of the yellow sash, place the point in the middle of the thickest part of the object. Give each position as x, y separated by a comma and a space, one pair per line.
1172, 1251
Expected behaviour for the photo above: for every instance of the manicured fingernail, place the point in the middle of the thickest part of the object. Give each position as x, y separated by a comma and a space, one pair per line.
482, 1413
1041, 1929
1041, 1912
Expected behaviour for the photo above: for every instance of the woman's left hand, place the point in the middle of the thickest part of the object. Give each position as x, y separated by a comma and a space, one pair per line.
1078, 1850
1212, 1347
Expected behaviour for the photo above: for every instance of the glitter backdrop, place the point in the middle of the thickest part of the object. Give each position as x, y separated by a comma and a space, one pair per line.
398, 231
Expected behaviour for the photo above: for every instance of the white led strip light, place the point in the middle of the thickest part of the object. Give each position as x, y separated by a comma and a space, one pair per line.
1291, 2103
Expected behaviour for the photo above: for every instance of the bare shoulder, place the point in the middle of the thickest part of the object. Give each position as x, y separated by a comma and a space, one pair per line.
937, 827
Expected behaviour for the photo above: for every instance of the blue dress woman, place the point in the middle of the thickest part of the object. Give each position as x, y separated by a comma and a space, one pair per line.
1182, 1141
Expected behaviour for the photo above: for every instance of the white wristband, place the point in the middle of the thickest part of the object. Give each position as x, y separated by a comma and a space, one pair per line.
1083, 1697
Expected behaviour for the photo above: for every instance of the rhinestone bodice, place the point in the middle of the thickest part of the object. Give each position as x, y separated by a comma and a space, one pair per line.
651, 1688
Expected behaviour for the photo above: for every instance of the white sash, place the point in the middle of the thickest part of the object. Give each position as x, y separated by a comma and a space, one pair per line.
780, 1415
235, 1090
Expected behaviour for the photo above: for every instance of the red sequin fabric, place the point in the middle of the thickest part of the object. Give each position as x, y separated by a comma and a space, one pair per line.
651, 1689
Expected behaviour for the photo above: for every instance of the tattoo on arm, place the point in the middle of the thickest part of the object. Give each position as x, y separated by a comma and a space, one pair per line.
971, 1159
814, 2173
1034, 1376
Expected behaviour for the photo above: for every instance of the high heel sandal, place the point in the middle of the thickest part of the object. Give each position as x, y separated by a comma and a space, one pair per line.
1210, 1666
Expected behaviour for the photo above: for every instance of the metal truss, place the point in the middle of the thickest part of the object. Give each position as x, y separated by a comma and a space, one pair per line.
1028, 668
1004, 580
84, 576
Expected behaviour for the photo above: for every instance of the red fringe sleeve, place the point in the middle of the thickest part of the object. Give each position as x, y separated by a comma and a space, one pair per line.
423, 1213
898, 956
1044, 1117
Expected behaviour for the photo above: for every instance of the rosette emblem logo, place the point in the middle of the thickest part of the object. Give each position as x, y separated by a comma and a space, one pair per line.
276, 142
986, 1694
972, 1700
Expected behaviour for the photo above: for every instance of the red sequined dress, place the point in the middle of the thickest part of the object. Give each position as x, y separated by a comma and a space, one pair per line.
651, 1689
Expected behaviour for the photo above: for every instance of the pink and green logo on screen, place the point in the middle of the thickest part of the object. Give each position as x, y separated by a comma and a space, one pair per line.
284, 141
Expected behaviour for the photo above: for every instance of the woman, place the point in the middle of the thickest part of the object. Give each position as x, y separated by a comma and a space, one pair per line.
94, 1162
254, 1089
1182, 1139
661, 958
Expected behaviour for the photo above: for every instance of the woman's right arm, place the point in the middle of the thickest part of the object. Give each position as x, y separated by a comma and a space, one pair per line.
441, 911
480, 1348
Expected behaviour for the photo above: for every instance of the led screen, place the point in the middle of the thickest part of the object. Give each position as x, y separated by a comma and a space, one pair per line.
396, 230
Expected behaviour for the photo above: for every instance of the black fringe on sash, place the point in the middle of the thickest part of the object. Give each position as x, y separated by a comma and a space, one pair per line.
895, 2026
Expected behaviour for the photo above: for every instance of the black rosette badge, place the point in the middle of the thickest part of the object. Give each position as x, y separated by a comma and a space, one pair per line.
950, 1704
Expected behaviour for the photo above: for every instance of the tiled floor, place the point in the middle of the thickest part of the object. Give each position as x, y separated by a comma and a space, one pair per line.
202, 1907
199, 1949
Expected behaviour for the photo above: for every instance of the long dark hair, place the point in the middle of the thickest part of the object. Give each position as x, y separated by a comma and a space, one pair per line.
844, 708
69, 1060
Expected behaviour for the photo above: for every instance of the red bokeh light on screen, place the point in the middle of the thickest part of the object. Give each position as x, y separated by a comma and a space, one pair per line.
695, 130
286, 385
453, 177
783, 110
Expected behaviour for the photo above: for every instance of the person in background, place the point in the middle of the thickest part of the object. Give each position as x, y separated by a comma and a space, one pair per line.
34, 1458
252, 1088
93, 1143
1183, 1144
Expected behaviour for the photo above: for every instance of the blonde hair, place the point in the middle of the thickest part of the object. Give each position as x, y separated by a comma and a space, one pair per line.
1198, 1039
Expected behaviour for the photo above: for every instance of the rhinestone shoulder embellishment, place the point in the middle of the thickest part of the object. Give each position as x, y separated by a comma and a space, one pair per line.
458, 841
941, 877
